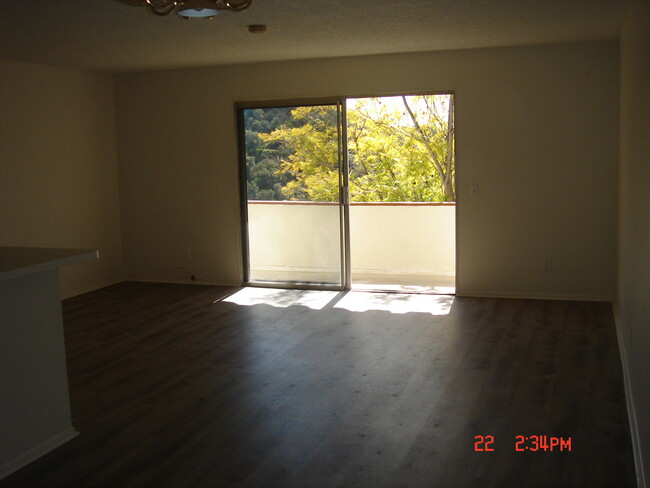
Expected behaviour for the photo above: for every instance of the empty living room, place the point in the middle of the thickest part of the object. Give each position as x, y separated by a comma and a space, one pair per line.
266, 243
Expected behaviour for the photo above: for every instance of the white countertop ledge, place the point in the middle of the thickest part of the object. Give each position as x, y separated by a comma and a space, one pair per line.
16, 262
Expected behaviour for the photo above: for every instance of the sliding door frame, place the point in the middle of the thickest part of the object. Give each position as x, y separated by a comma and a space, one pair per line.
344, 241
344, 196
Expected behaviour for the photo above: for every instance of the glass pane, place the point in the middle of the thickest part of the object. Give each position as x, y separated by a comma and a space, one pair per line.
402, 192
292, 187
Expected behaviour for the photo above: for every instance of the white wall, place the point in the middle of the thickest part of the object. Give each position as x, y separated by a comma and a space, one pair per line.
633, 300
537, 129
59, 184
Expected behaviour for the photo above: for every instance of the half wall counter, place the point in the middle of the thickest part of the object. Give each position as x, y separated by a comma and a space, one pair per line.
34, 398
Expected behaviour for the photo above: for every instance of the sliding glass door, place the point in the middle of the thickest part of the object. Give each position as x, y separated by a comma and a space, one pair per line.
293, 184
350, 193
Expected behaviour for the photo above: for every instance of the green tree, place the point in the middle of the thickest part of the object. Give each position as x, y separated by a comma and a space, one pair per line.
263, 175
312, 147
402, 149
399, 149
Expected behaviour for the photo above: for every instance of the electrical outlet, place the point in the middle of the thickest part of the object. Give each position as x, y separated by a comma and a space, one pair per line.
548, 265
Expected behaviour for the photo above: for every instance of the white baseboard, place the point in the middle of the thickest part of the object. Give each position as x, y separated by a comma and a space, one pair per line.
152, 279
87, 289
533, 296
36, 452
629, 400
459, 292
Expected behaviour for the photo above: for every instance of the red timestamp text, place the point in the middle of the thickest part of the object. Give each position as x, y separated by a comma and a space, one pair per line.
532, 443
483, 443
544, 443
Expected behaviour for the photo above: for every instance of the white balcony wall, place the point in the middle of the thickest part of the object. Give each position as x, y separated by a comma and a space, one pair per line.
385, 239
293, 237
408, 239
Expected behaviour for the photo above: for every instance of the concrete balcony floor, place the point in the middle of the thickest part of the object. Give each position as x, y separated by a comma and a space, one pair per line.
389, 282
404, 283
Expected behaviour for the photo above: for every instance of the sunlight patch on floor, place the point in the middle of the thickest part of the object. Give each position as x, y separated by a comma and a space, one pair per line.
396, 302
314, 299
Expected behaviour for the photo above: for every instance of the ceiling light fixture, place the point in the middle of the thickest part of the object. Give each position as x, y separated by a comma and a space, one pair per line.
192, 9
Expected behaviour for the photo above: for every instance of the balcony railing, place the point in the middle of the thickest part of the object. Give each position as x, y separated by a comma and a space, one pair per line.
389, 242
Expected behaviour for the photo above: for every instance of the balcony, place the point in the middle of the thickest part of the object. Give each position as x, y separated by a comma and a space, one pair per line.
393, 246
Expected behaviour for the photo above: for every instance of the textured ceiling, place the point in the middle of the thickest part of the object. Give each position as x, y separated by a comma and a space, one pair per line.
112, 36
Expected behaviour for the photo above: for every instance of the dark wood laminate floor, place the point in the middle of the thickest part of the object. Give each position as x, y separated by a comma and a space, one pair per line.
169, 389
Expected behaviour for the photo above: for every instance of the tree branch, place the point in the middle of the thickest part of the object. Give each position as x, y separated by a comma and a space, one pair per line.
424, 139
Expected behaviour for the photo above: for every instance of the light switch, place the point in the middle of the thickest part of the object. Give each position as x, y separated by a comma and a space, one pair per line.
473, 191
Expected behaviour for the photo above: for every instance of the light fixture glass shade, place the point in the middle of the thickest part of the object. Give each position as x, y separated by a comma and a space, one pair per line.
198, 12
197, 9
192, 8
